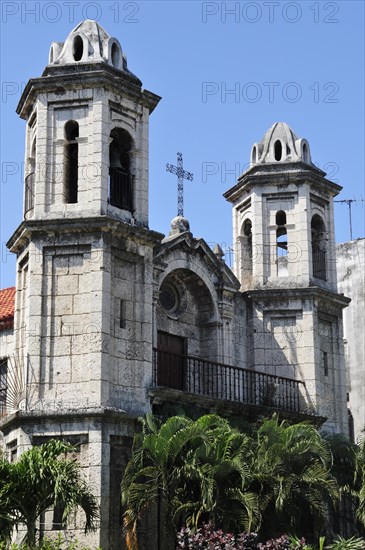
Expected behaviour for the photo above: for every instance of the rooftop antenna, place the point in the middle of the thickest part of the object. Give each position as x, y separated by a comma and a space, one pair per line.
349, 203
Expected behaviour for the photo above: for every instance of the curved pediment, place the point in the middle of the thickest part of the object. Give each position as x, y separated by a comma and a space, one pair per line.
186, 252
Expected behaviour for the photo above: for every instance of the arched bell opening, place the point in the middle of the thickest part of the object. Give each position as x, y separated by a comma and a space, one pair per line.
245, 243
318, 239
120, 192
281, 244
71, 162
30, 179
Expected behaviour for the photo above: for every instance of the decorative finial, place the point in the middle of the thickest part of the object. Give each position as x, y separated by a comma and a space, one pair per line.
217, 250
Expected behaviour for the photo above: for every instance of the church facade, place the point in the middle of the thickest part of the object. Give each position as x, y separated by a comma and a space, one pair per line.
112, 319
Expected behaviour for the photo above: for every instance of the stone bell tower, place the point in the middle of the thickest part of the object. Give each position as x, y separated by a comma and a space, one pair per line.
84, 261
283, 230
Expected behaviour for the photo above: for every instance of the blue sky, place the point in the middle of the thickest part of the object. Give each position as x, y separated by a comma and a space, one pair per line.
298, 62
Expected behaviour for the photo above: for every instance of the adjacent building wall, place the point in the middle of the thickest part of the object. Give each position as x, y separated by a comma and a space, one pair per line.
351, 282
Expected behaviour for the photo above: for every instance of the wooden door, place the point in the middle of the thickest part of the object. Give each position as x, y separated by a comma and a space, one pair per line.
170, 361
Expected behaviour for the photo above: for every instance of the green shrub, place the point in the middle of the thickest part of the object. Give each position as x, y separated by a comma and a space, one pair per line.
58, 543
347, 544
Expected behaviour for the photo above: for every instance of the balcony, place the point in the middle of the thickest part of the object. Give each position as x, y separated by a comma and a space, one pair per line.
216, 381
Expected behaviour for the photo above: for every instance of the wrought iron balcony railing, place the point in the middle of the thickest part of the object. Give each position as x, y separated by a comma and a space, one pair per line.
225, 382
12, 387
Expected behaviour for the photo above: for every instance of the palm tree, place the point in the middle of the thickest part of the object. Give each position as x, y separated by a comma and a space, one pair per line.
6, 524
344, 454
292, 476
158, 469
205, 470
226, 468
39, 480
349, 470
360, 482
196, 469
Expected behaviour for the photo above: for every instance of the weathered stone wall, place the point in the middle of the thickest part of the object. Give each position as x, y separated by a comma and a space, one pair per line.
283, 343
330, 366
61, 320
293, 331
6, 343
351, 282
127, 363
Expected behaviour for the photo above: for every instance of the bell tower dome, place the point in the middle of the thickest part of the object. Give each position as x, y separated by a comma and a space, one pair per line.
283, 222
87, 132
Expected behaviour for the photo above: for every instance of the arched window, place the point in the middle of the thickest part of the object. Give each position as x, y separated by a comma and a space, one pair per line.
247, 231
246, 251
280, 218
71, 161
115, 55
281, 234
281, 244
30, 179
33, 153
305, 153
318, 231
254, 154
278, 150
120, 178
77, 48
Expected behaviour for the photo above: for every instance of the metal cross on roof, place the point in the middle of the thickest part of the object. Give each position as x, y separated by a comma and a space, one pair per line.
181, 176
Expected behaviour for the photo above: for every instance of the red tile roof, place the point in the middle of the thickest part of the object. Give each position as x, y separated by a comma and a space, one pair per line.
7, 306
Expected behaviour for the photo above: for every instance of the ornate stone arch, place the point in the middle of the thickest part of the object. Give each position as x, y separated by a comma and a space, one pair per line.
180, 265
